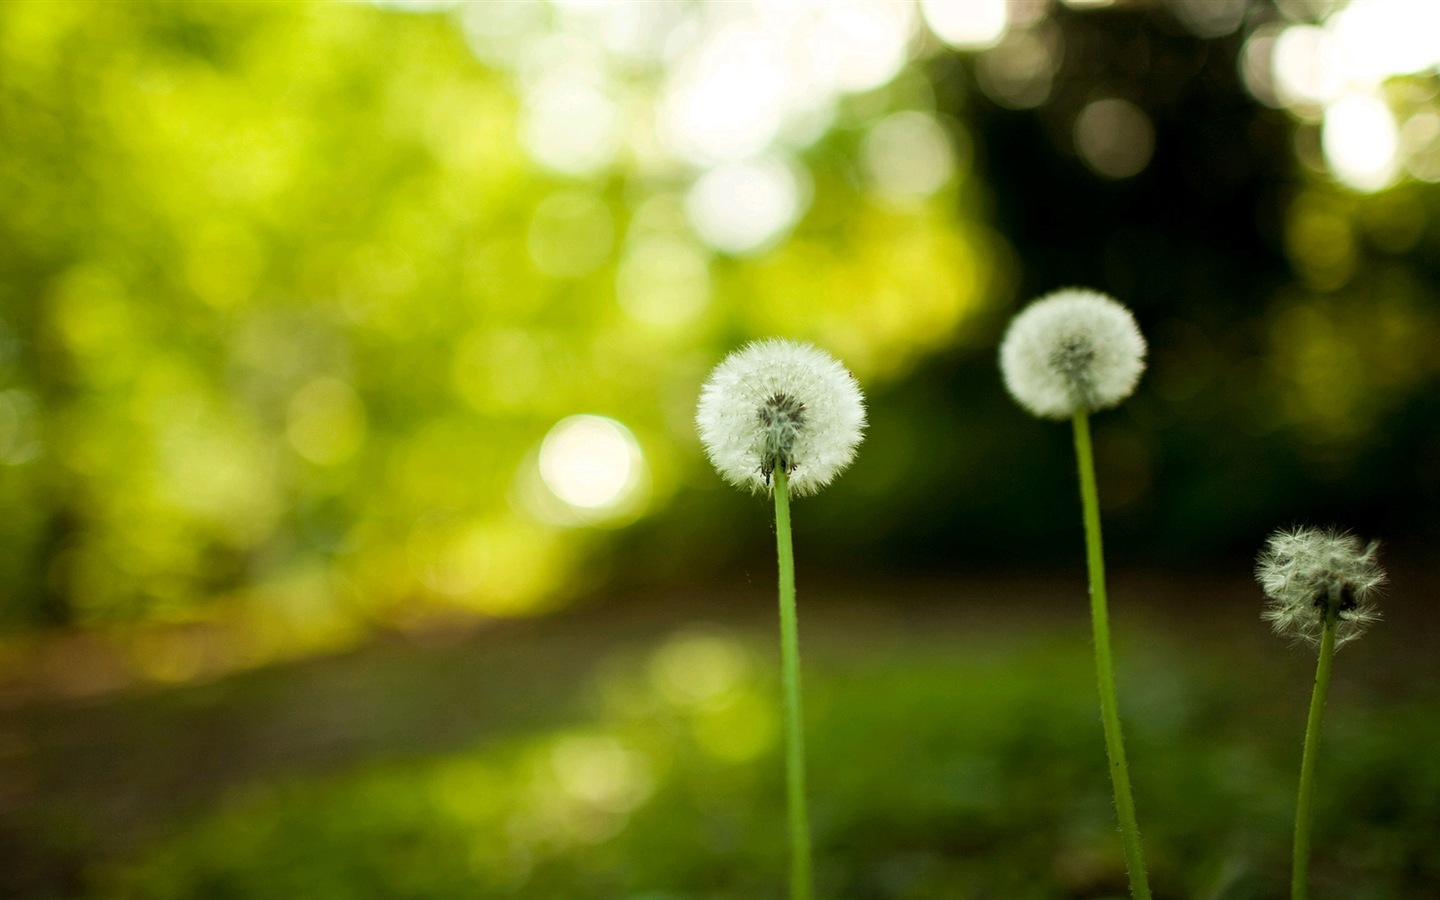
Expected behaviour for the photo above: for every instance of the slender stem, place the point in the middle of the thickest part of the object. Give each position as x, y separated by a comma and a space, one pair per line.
1104, 667
800, 881
1304, 812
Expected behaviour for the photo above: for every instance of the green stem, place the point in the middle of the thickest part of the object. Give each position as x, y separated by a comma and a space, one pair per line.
1104, 666
800, 880
1304, 812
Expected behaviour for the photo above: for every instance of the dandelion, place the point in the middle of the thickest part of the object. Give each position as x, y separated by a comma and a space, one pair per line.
1072, 350
1301, 568
1321, 585
779, 405
1065, 356
775, 416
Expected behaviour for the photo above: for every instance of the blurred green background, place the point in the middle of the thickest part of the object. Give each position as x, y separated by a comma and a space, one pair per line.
340, 340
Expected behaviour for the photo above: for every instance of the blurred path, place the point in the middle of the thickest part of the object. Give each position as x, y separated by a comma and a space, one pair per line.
81, 780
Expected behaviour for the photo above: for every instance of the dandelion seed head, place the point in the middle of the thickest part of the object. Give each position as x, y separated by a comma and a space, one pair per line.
1304, 570
1072, 350
777, 404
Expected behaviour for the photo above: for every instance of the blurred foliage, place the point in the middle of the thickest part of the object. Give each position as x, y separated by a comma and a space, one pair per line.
933, 773
1290, 319
286, 313
292, 299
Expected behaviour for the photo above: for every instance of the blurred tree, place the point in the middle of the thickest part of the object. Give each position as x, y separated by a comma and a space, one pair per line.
1289, 316
287, 311
321, 315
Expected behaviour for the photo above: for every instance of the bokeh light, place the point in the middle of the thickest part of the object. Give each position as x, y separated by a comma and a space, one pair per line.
1306, 73
1335, 71
664, 281
571, 125
1420, 137
967, 26
746, 207
326, 421
858, 45
594, 465
908, 156
19, 428
1019, 72
1257, 64
602, 772
728, 101
1211, 18
1361, 141
1378, 39
699, 668
1114, 137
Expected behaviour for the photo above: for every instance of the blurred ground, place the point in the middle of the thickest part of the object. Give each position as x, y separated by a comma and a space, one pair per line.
86, 785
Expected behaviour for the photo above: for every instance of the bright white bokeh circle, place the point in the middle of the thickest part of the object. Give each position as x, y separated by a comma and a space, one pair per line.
745, 207
592, 463
1361, 141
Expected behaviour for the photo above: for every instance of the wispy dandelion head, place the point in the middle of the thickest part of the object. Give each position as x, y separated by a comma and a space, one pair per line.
777, 404
1072, 350
1303, 571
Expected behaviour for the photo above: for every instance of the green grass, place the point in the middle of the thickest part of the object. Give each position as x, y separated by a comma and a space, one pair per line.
937, 770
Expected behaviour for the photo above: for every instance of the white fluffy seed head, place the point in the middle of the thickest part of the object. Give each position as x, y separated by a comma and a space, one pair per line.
1072, 350
1304, 570
777, 404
